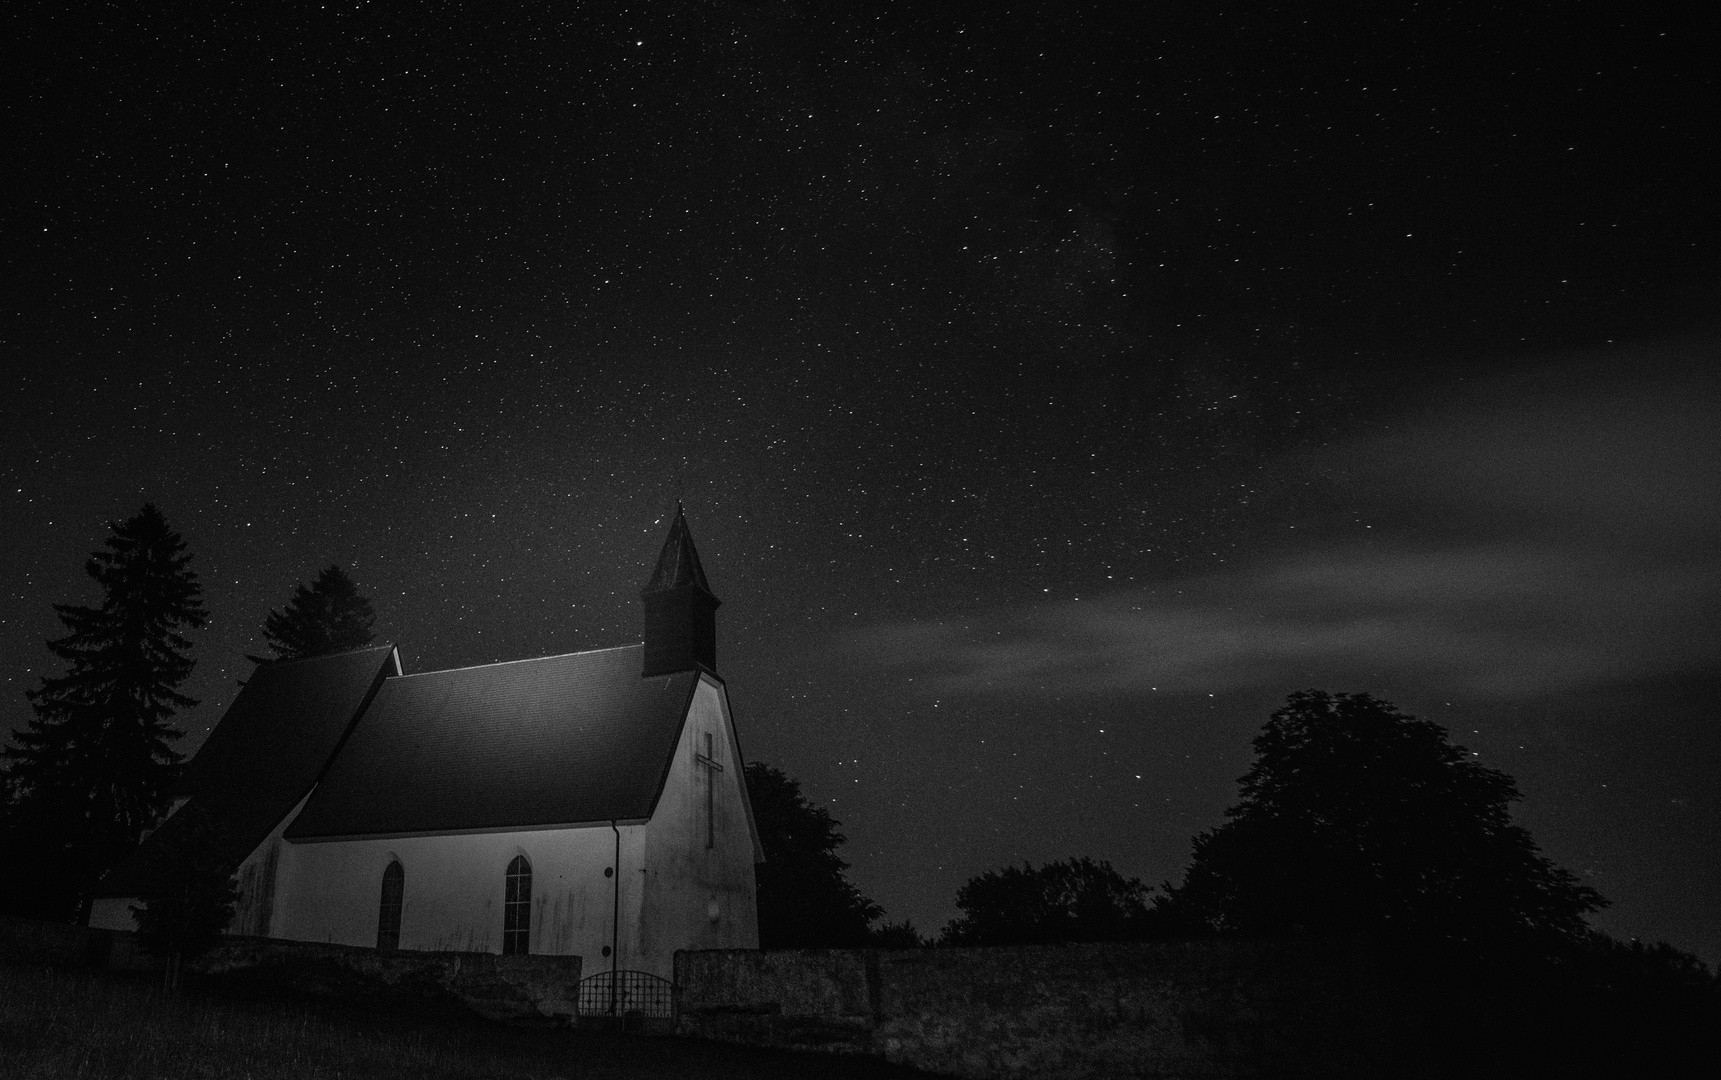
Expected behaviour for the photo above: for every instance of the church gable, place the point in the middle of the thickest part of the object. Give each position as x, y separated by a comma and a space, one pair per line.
557, 741
705, 795
701, 844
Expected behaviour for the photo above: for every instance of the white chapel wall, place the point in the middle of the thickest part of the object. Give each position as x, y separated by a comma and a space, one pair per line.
331, 891
113, 912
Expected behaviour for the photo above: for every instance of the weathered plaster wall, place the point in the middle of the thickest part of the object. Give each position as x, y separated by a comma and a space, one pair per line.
331, 892
1215, 1009
698, 896
113, 913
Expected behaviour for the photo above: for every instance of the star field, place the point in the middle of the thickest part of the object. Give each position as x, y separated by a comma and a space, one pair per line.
1051, 390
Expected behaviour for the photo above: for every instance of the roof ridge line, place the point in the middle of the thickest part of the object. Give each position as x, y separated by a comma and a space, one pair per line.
327, 656
522, 660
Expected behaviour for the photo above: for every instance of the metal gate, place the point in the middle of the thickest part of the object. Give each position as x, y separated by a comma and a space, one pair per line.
636, 1000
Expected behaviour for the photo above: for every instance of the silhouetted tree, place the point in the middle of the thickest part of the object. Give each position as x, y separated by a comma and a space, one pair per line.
191, 899
897, 935
96, 767
1356, 818
328, 617
1640, 971
1073, 900
805, 901
1633, 1009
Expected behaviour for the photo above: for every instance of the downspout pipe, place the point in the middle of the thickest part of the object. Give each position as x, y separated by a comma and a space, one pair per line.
615, 919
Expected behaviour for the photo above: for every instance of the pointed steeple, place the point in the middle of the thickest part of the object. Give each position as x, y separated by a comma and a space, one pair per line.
680, 608
678, 563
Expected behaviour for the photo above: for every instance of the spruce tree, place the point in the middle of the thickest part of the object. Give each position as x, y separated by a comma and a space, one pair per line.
96, 766
191, 901
328, 617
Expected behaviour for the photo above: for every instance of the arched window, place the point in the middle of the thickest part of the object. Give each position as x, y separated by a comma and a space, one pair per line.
388, 918
517, 909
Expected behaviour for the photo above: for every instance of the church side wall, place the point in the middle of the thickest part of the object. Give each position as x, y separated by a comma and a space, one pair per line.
113, 913
453, 890
699, 896
259, 879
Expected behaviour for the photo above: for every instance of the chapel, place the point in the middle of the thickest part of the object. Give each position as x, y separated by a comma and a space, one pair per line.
592, 803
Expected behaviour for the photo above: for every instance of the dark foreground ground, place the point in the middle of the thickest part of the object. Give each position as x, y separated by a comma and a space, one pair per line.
55, 1024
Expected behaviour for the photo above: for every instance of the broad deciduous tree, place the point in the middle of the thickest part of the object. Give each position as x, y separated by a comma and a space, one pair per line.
1072, 900
1356, 818
805, 900
897, 935
96, 765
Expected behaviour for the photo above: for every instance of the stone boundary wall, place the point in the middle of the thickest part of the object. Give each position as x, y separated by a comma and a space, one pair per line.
1149, 1009
512, 988
1184, 1009
541, 989
30, 941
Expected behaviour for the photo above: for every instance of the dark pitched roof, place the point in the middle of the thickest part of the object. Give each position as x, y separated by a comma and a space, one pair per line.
678, 563
555, 741
268, 750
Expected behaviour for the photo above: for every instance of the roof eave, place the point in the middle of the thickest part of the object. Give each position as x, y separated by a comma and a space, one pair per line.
489, 830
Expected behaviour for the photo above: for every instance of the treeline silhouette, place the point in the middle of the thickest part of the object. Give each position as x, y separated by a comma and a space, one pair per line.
1363, 827
1356, 824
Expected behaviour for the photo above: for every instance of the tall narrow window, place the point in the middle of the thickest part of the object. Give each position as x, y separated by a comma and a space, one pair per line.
388, 918
517, 909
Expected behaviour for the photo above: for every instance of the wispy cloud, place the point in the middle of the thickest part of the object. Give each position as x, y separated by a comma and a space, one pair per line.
1567, 528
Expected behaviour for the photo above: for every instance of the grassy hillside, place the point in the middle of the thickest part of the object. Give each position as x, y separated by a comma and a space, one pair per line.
58, 1024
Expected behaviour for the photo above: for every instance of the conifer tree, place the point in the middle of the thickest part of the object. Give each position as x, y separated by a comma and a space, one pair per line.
191, 901
328, 617
96, 766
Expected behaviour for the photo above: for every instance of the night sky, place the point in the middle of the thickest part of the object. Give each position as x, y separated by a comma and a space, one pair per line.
1051, 390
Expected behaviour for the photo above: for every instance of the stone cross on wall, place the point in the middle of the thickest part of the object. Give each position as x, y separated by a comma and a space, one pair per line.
712, 768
